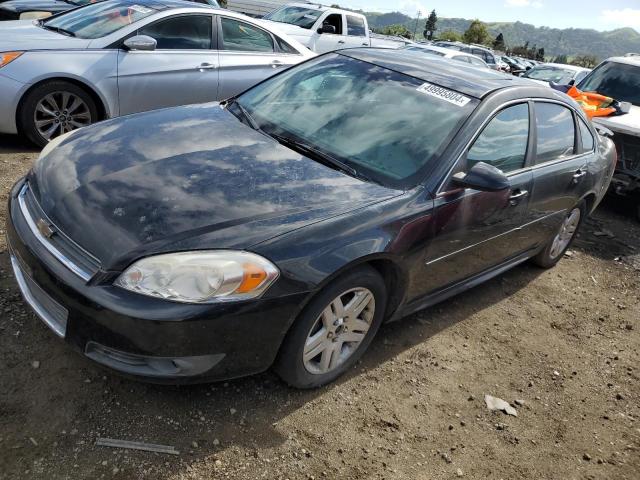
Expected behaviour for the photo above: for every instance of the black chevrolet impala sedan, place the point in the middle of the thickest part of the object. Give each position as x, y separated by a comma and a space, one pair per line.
284, 226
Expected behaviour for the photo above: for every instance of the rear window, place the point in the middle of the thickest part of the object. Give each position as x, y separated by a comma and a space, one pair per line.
428, 51
617, 80
99, 19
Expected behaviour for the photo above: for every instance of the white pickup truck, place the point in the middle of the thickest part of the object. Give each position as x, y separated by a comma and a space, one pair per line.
324, 29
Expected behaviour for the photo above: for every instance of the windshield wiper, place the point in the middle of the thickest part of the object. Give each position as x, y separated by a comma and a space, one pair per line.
56, 29
316, 154
245, 114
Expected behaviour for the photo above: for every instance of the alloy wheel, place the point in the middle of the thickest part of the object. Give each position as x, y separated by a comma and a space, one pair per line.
338, 331
566, 233
60, 112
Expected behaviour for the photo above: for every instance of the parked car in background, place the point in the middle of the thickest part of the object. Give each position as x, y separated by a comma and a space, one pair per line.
33, 9
479, 51
619, 78
546, 73
284, 226
125, 56
447, 53
324, 29
515, 65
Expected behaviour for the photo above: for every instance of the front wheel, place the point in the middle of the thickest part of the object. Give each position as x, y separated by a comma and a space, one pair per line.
334, 330
55, 108
563, 238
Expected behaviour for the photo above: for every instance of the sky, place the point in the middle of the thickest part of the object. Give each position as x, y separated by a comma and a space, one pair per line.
596, 14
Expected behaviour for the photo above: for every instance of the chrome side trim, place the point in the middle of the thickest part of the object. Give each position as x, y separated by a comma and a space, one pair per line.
58, 329
45, 243
431, 262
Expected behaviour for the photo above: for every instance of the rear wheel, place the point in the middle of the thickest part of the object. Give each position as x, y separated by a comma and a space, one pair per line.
55, 108
334, 330
563, 238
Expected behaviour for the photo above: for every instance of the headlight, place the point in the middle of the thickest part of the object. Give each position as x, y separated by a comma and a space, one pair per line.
200, 277
7, 57
31, 15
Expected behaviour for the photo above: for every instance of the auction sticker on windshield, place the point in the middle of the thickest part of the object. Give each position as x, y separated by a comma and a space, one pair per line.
444, 94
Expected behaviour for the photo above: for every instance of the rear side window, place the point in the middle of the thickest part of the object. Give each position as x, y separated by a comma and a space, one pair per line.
240, 36
556, 132
355, 26
189, 32
285, 47
586, 137
477, 62
503, 142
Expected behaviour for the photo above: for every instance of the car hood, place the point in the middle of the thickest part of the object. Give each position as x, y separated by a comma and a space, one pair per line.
287, 28
185, 178
25, 35
628, 123
36, 5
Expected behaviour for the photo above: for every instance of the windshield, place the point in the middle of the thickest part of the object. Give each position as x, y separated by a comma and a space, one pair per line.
551, 74
99, 19
301, 16
387, 126
616, 80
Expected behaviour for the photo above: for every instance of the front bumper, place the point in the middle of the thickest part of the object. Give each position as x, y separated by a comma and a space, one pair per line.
139, 336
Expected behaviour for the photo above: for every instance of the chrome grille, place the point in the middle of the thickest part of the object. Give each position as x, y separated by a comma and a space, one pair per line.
65, 250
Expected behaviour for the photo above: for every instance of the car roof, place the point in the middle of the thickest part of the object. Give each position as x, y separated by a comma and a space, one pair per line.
446, 51
630, 60
563, 66
457, 76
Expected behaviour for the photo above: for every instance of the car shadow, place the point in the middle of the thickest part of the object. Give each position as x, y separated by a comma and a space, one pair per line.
16, 144
241, 413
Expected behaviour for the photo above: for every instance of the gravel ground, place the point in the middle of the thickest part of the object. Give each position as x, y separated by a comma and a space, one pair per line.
563, 343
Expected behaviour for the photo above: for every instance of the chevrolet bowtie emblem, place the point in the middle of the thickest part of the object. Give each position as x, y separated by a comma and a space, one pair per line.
44, 228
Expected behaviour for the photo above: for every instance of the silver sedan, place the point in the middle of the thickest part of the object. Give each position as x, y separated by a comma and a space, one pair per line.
125, 56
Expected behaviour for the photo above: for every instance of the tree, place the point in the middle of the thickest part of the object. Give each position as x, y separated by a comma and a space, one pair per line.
477, 33
587, 61
396, 30
431, 25
498, 43
540, 55
561, 59
450, 36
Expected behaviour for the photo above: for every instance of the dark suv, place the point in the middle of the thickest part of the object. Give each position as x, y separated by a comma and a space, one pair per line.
619, 77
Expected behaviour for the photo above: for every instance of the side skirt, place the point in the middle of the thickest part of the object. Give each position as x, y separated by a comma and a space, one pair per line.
460, 287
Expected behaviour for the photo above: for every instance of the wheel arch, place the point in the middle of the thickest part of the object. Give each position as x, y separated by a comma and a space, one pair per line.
591, 201
101, 104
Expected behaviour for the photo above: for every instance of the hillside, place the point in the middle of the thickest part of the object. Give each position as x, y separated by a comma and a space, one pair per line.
570, 41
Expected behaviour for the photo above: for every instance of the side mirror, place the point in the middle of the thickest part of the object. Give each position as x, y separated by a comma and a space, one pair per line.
572, 82
326, 28
141, 42
483, 177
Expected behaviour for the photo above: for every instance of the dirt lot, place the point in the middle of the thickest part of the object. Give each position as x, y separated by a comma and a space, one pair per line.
566, 342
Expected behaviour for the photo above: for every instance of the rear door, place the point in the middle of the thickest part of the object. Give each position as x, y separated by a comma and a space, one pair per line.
181, 71
356, 32
475, 230
561, 165
248, 55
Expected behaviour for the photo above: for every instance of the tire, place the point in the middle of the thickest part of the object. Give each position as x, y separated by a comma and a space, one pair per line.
552, 253
310, 333
47, 104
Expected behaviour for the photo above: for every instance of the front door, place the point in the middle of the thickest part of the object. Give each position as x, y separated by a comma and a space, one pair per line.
182, 70
248, 55
327, 42
474, 230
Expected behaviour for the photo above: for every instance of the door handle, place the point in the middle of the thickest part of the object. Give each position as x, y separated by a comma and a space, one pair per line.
579, 175
516, 196
277, 64
341, 42
365, 45
206, 66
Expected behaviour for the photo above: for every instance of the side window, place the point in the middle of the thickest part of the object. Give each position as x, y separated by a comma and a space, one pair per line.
355, 26
240, 36
503, 142
556, 132
285, 47
476, 61
334, 19
580, 77
461, 58
586, 136
188, 32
